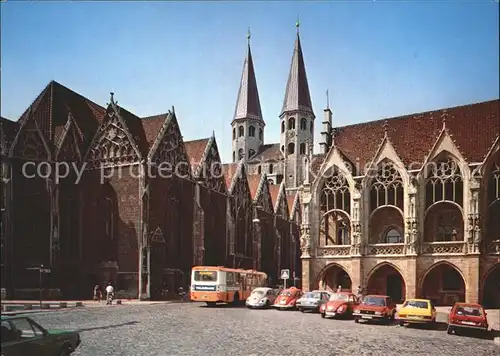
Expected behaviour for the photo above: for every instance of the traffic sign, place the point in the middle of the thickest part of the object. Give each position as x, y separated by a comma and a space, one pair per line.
285, 274
45, 270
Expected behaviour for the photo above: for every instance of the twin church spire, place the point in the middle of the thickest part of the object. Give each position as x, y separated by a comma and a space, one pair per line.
297, 95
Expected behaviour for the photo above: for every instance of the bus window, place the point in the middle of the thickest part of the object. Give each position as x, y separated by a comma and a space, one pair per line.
205, 276
229, 278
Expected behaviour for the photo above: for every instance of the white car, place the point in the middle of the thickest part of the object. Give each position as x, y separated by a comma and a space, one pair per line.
312, 301
262, 297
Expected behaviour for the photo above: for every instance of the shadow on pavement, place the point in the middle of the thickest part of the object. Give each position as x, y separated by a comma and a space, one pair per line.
438, 325
223, 306
108, 326
478, 334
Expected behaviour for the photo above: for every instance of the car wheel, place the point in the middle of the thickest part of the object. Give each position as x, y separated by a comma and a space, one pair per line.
356, 320
301, 310
401, 323
65, 351
323, 315
268, 304
449, 330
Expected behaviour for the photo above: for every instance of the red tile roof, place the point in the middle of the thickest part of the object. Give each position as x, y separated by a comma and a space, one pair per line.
473, 127
229, 169
269, 152
253, 184
195, 150
151, 126
274, 190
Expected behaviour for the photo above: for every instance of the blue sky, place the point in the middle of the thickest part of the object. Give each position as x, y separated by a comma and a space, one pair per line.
378, 59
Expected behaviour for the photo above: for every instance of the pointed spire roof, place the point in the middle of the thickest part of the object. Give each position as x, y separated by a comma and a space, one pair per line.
297, 96
248, 103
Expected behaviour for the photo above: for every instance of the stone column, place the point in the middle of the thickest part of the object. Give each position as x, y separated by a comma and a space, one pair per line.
305, 238
474, 236
411, 229
472, 279
356, 242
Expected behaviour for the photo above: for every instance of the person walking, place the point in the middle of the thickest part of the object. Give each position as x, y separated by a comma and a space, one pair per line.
110, 291
97, 293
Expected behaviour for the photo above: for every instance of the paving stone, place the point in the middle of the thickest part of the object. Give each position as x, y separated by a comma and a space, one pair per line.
192, 329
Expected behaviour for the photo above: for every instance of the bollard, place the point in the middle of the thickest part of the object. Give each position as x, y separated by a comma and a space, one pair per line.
63, 305
78, 304
119, 302
28, 306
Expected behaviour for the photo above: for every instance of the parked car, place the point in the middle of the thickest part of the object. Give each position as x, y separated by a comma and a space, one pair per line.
287, 298
416, 311
467, 316
262, 297
21, 335
339, 305
312, 301
375, 308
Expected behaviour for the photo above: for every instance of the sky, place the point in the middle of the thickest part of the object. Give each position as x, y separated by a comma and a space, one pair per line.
376, 58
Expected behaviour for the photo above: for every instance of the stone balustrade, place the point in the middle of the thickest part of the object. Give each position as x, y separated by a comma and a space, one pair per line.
444, 248
493, 247
385, 249
334, 251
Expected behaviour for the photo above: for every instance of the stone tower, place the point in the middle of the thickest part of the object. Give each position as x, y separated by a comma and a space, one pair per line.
296, 120
247, 125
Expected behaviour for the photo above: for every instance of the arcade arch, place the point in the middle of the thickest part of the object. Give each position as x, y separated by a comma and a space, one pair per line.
386, 279
333, 276
491, 288
444, 284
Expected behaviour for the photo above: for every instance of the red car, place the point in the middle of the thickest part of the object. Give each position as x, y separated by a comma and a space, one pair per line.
287, 298
339, 305
467, 316
375, 307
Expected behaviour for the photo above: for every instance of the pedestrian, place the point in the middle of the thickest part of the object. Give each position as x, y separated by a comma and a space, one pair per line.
97, 293
359, 293
110, 291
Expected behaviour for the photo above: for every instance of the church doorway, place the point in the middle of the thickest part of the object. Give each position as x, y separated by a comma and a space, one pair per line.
386, 280
332, 277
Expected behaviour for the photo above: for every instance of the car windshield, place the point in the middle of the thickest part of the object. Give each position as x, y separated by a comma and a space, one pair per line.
469, 311
286, 293
338, 296
259, 292
416, 304
380, 302
313, 295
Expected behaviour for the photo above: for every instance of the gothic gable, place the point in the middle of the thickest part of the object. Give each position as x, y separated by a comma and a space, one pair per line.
263, 197
112, 144
68, 147
211, 168
241, 191
30, 142
334, 158
169, 148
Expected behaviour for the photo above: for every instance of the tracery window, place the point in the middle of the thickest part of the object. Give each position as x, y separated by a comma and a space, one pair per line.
494, 184
302, 148
291, 123
251, 131
387, 187
447, 226
335, 209
241, 131
444, 183
291, 148
393, 237
303, 124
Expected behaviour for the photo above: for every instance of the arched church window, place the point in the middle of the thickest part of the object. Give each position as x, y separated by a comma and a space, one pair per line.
241, 154
393, 237
251, 152
291, 148
335, 205
234, 133
448, 226
302, 148
303, 124
291, 123
387, 187
241, 131
282, 126
271, 168
494, 183
261, 134
251, 131
259, 169
311, 127
283, 148
444, 182
493, 223
234, 156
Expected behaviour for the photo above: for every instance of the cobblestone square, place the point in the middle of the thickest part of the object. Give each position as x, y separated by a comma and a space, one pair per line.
193, 329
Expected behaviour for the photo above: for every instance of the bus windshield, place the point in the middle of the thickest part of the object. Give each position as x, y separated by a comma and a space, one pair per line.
205, 276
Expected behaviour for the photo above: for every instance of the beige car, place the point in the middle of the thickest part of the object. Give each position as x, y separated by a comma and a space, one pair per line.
262, 297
